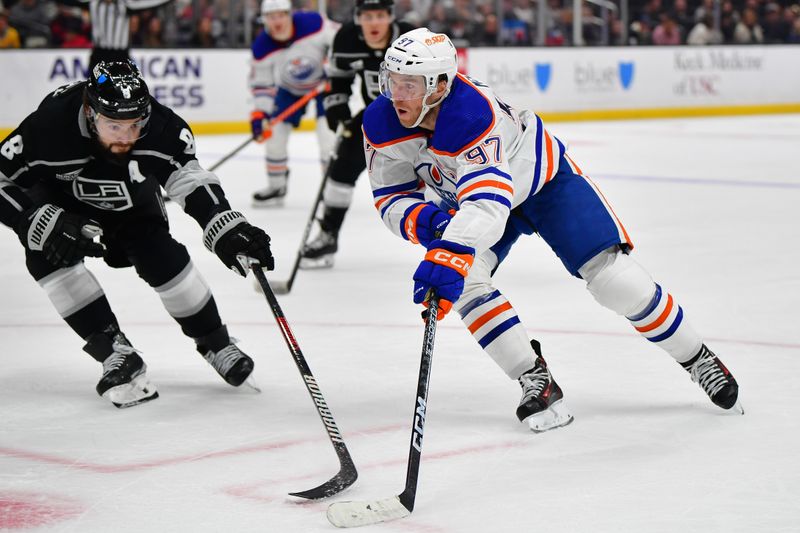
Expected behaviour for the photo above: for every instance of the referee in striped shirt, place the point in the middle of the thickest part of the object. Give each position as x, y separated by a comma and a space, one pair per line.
111, 27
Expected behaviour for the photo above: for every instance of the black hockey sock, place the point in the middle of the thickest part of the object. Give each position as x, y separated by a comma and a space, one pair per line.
92, 318
332, 219
199, 324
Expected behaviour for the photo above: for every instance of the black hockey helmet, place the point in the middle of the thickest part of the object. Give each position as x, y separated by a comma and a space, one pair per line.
367, 5
117, 90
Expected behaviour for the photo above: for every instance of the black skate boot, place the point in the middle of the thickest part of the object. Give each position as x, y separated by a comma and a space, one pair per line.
542, 405
124, 382
228, 360
272, 195
319, 252
269, 197
714, 378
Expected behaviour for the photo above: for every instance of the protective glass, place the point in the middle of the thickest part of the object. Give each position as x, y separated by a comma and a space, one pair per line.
401, 87
120, 130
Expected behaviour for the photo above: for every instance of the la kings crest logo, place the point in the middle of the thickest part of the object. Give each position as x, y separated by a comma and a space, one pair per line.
103, 194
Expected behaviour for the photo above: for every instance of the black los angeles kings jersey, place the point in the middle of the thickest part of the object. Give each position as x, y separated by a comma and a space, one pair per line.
52, 157
350, 55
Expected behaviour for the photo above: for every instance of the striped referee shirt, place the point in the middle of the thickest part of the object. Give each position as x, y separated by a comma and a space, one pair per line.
111, 21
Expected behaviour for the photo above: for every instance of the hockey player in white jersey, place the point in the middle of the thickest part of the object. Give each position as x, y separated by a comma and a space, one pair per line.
288, 62
497, 174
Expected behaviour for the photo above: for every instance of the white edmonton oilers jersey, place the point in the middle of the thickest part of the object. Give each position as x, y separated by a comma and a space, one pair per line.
297, 65
484, 159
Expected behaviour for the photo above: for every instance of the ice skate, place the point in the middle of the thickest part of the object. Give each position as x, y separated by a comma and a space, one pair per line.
269, 197
715, 379
232, 364
124, 382
542, 405
319, 252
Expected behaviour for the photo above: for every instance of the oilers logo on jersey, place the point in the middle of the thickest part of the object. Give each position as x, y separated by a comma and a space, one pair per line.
301, 72
431, 173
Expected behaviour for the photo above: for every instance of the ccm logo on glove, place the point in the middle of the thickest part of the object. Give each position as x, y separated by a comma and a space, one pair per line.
459, 262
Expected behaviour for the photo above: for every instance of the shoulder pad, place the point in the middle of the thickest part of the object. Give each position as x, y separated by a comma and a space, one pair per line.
383, 128
306, 23
349, 35
465, 117
263, 45
63, 96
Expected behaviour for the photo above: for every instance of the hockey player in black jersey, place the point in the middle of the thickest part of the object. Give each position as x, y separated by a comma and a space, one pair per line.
358, 48
81, 176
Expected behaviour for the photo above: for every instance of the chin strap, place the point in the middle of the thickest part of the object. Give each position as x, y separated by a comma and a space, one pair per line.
428, 107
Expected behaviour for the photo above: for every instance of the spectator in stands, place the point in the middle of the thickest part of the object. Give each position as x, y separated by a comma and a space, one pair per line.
748, 31
776, 28
728, 21
705, 9
9, 37
651, 14
639, 33
683, 19
76, 34
485, 34
32, 20
667, 32
68, 17
204, 36
439, 22
153, 33
794, 34
704, 33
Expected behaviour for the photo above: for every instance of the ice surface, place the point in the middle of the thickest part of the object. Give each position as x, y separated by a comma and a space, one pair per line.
712, 206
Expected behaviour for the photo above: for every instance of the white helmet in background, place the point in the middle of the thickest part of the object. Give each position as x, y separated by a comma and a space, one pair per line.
418, 53
269, 6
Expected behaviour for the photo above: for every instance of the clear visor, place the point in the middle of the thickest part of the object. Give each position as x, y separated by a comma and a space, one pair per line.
401, 87
120, 130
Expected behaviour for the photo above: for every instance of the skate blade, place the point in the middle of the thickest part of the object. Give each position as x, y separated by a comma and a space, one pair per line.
557, 415
267, 204
138, 390
251, 385
326, 261
737, 408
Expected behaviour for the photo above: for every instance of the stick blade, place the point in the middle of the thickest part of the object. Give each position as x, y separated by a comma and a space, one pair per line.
365, 513
280, 287
346, 477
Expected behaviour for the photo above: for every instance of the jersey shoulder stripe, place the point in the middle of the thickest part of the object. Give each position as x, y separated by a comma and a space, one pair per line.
466, 116
264, 45
306, 23
382, 127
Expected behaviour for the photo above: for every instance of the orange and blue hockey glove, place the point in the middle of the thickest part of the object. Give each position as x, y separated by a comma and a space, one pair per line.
444, 268
257, 120
423, 223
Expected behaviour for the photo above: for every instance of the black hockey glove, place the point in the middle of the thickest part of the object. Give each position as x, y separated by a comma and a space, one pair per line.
337, 109
64, 238
230, 236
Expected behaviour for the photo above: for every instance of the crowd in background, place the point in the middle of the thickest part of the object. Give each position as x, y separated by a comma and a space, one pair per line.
233, 23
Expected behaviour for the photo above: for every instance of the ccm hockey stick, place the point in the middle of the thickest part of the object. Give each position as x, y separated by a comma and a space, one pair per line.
364, 513
347, 474
283, 115
283, 287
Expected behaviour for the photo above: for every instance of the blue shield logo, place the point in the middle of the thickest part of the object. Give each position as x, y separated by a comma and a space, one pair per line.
542, 75
626, 74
